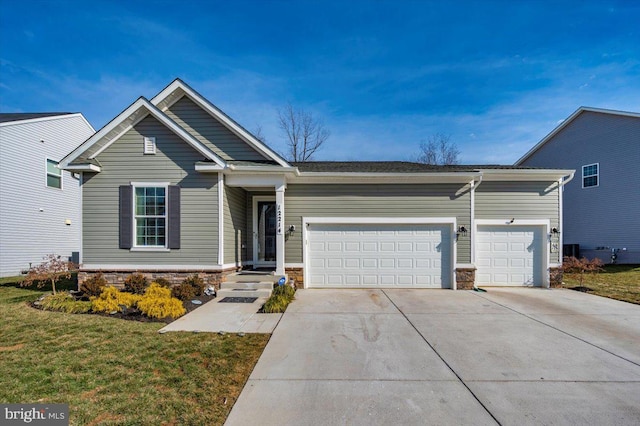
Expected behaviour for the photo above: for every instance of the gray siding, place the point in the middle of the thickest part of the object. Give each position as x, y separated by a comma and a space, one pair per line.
123, 162
518, 200
210, 132
606, 215
374, 201
235, 225
28, 233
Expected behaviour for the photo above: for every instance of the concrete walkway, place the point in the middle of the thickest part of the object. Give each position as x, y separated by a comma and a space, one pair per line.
214, 316
509, 356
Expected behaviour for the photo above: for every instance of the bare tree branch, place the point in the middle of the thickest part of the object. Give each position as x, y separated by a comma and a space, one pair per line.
304, 134
259, 135
438, 150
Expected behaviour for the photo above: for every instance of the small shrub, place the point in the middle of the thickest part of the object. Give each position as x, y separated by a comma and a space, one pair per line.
52, 270
136, 283
111, 298
196, 282
581, 267
285, 290
94, 285
163, 282
183, 292
158, 303
276, 304
191, 287
65, 302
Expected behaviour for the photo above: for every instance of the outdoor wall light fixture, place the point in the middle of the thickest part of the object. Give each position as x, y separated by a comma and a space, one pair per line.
292, 229
554, 231
462, 230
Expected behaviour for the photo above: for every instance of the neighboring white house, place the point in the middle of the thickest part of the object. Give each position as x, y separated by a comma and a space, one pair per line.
602, 203
39, 203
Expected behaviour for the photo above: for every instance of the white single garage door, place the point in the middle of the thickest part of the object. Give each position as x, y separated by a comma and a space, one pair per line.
509, 255
379, 255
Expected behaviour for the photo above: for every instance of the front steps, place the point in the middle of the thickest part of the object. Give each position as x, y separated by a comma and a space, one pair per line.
247, 284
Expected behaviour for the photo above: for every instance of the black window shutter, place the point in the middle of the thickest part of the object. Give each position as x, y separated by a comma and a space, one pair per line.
174, 217
126, 219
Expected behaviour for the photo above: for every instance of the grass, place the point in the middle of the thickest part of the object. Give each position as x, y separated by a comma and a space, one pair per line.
621, 282
112, 371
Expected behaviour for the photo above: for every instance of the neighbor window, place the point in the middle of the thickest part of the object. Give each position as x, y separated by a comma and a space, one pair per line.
150, 216
54, 174
590, 175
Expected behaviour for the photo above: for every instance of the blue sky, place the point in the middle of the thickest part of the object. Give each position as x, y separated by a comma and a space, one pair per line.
382, 75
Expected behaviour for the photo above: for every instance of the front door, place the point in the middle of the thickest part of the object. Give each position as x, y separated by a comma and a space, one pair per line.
264, 231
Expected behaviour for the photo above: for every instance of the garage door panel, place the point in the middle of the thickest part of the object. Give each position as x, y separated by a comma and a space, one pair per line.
377, 255
510, 255
405, 263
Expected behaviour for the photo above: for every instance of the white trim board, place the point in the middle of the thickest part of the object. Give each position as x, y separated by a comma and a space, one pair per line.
136, 112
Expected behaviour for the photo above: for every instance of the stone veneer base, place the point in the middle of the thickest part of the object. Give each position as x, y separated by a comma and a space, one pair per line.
116, 278
555, 277
465, 278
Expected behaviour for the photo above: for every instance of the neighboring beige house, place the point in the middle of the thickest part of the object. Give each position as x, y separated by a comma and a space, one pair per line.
39, 203
173, 186
602, 204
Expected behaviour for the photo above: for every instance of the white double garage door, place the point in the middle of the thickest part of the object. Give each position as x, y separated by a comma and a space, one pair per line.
416, 255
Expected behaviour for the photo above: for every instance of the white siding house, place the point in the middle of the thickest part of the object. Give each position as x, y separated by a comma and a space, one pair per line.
39, 203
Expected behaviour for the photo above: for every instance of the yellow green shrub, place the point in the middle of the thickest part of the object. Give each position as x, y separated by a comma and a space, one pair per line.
111, 298
157, 290
161, 307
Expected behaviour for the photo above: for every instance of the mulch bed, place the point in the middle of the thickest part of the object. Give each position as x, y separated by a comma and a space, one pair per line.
136, 315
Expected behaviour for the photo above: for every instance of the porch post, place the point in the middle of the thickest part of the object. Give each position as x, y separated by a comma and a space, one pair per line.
280, 228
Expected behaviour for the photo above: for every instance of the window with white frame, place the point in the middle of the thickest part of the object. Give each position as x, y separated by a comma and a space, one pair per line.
150, 209
54, 174
590, 175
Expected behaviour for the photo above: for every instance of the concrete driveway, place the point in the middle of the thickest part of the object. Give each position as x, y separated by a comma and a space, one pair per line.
508, 356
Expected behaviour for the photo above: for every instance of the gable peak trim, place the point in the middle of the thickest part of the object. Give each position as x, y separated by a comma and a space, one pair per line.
135, 112
219, 115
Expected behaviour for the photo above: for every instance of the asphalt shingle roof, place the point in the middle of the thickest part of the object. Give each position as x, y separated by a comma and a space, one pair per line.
6, 117
391, 167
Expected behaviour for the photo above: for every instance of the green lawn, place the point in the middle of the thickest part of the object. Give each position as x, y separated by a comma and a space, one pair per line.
621, 282
112, 371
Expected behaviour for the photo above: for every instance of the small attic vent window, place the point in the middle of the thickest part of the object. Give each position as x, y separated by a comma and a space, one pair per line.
149, 145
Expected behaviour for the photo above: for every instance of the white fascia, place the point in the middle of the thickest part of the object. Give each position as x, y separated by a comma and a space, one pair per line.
273, 180
83, 168
520, 175
216, 113
446, 177
49, 118
136, 112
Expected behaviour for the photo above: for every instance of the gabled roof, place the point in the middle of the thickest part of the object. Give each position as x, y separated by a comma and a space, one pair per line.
178, 88
138, 110
6, 117
568, 121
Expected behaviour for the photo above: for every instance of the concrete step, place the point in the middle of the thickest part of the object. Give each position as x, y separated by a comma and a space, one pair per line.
229, 292
249, 277
247, 285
